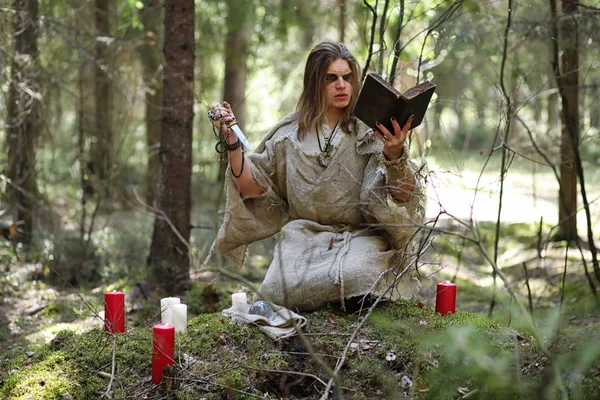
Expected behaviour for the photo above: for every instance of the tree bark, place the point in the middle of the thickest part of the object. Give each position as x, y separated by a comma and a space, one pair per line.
101, 146
149, 54
23, 117
239, 34
169, 251
569, 87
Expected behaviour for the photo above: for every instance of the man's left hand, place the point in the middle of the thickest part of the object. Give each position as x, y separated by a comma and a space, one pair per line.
393, 143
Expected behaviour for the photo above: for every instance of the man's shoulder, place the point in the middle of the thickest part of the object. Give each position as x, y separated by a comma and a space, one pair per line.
284, 127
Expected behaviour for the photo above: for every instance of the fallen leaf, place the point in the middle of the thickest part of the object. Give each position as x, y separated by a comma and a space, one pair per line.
364, 344
368, 344
333, 319
423, 388
420, 305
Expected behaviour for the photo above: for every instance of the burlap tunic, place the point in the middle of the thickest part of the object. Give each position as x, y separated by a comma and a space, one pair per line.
340, 232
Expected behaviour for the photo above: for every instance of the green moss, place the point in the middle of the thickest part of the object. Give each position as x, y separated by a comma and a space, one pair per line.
75, 360
48, 378
437, 355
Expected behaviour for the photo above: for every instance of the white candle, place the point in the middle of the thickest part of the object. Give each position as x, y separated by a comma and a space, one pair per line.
99, 318
166, 308
239, 301
179, 317
237, 298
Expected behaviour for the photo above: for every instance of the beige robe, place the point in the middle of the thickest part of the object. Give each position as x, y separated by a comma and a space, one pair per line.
340, 232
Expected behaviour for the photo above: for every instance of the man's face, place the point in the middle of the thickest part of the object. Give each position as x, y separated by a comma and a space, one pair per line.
338, 84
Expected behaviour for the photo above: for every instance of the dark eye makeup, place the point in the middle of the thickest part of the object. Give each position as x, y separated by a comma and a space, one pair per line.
334, 77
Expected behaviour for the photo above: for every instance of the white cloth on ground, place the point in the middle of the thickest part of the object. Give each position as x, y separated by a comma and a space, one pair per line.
283, 325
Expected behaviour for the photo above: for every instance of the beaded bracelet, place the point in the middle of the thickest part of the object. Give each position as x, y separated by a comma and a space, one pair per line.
233, 146
222, 146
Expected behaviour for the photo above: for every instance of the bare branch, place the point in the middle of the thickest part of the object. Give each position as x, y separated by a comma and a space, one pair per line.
373, 26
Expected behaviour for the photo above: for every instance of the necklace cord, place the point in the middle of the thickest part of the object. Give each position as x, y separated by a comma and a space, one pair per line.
327, 140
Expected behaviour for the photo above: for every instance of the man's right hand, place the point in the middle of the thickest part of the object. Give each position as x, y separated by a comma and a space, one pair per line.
223, 117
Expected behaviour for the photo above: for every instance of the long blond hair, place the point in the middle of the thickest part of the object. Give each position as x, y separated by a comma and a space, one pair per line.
312, 104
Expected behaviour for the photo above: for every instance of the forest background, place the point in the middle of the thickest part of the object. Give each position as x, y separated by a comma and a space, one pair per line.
104, 114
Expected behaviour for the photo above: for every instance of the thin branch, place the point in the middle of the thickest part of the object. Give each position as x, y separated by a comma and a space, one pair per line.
503, 167
530, 301
344, 357
373, 26
382, 27
446, 15
557, 176
397, 49
112, 373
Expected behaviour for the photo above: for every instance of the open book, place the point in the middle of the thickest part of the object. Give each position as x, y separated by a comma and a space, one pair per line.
378, 101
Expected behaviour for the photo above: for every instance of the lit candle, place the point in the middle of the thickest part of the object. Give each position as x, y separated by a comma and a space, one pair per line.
238, 299
163, 349
166, 308
114, 312
179, 317
445, 301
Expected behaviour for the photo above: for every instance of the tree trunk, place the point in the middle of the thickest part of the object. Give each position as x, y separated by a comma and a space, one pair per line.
342, 20
150, 57
569, 84
239, 34
23, 109
101, 146
169, 251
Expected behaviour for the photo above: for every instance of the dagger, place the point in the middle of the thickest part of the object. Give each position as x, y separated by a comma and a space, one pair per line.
238, 132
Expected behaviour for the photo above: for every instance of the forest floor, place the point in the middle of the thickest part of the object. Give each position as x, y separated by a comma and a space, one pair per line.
34, 311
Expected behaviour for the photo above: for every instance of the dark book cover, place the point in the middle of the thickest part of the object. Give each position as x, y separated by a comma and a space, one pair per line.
379, 101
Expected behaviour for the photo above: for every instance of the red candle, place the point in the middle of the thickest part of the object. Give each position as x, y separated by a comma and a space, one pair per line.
114, 312
163, 349
445, 301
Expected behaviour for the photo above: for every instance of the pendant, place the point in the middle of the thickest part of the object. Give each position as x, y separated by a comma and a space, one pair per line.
323, 160
328, 149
